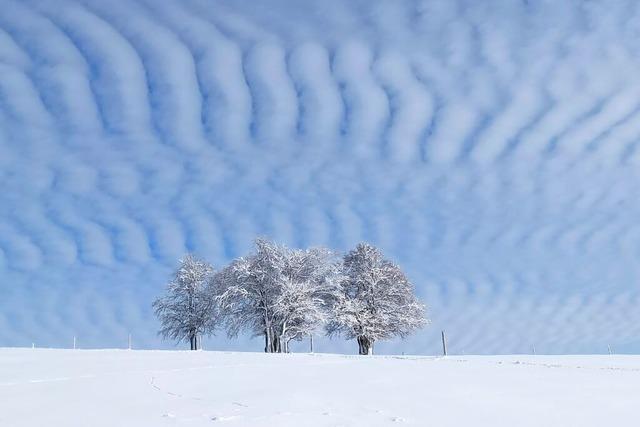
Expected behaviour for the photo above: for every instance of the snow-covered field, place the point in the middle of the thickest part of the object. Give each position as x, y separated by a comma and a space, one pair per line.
62, 388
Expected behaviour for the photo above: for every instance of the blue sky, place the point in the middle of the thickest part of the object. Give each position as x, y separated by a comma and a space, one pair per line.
491, 148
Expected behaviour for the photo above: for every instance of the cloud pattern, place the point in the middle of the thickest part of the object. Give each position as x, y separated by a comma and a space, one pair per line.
490, 148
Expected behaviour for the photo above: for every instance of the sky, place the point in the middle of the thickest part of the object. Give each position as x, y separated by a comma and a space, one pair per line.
490, 148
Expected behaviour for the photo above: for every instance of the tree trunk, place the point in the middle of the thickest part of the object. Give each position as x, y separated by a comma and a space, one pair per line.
194, 341
284, 344
272, 342
365, 345
275, 344
270, 339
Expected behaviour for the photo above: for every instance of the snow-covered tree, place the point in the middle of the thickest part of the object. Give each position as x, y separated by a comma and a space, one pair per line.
376, 301
309, 284
186, 311
276, 292
247, 293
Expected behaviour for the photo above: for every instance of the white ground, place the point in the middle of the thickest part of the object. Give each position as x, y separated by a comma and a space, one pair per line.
64, 388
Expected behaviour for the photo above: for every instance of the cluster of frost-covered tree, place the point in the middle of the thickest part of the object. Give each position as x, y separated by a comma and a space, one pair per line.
284, 294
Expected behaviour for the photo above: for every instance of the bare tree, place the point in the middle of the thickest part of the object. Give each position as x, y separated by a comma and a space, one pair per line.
376, 301
186, 311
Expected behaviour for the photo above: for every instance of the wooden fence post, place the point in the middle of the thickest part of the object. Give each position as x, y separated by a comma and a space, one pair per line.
444, 344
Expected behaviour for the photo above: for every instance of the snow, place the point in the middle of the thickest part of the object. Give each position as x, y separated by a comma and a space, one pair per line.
46, 387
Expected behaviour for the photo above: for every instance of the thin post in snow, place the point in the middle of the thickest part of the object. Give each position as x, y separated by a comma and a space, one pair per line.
311, 343
534, 349
444, 344
609, 348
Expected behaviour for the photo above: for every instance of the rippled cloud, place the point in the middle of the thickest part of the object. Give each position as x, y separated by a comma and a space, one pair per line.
490, 148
